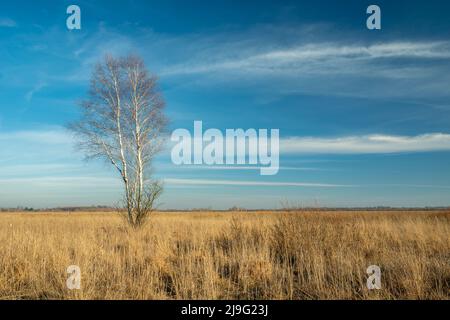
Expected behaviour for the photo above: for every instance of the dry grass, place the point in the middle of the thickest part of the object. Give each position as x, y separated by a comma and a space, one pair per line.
219, 255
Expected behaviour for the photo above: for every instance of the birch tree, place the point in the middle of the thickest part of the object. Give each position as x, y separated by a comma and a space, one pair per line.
123, 122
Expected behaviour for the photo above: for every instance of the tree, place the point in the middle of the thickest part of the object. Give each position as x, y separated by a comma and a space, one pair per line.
123, 122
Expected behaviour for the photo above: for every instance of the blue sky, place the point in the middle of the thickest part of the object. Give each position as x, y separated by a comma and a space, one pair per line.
364, 116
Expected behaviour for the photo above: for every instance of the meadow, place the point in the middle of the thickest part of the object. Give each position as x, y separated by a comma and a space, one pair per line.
226, 255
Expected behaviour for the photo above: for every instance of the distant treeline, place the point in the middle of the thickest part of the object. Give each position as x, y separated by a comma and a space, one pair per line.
59, 209
309, 209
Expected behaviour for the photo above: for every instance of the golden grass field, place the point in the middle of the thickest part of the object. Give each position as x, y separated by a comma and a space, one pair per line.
224, 255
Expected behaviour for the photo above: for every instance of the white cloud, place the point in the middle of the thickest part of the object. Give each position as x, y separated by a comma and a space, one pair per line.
187, 182
66, 181
315, 63
439, 49
38, 87
47, 143
356, 144
322, 58
55, 135
367, 144
319, 67
39, 163
234, 167
37, 168
171, 181
223, 167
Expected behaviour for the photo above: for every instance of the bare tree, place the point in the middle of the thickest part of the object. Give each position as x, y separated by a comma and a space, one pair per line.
123, 122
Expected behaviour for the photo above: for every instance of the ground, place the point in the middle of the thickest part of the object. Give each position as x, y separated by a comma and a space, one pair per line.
226, 255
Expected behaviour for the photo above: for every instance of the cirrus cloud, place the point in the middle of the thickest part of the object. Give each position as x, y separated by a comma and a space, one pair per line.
376, 143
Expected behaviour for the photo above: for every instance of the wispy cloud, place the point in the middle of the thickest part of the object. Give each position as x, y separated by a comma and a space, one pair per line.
208, 182
38, 146
255, 57
321, 67
215, 182
322, 58
38, 87
65, 181
367, 144
356, 144
54, 135
234, 167
58, 140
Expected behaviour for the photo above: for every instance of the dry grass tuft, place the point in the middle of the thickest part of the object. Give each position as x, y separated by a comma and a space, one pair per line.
240, 255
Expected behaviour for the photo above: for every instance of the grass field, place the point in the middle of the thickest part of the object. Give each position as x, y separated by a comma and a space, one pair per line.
223, 255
